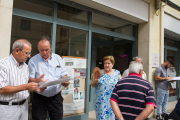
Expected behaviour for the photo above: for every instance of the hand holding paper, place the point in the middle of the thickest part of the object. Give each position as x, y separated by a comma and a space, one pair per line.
174, 79
50, 83
41, 79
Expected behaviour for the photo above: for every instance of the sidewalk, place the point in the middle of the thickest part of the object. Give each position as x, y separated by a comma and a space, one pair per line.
92, 115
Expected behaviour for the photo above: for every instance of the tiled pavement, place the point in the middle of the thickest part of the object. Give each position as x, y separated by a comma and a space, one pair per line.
170, 106
92, 115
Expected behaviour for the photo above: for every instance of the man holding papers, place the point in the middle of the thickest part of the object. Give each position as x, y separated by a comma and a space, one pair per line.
52, 66
162, 85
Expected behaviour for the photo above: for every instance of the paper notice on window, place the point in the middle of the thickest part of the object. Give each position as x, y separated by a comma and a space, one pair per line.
70, 72
80, 63
50, 83
69, 62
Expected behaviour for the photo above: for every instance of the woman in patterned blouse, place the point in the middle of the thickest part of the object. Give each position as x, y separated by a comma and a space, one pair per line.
103, 89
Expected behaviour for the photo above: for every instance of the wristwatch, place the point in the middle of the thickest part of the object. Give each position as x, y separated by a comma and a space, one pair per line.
121, 119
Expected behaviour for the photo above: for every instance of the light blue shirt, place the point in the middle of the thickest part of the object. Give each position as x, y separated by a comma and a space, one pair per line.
53, 69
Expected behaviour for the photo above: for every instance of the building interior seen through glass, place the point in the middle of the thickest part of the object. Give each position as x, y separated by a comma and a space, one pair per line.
172, 71
44, 7
71, 41
72, 14
29, 29
112, 24
103, 45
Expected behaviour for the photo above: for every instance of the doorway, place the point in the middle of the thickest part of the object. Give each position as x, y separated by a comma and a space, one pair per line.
103, 45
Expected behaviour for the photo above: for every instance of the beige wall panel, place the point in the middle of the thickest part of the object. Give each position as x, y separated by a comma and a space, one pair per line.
5, 29
177, 2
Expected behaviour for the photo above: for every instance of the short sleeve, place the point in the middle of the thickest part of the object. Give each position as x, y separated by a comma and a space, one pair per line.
31, 68
150, 98
125, 73
158, 71
63, 68
3, 77
114, 95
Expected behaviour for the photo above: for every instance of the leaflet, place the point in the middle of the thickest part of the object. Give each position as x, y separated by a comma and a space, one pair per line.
175, 78
50, 83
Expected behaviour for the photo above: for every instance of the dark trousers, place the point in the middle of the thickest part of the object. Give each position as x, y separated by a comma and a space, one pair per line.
41, 105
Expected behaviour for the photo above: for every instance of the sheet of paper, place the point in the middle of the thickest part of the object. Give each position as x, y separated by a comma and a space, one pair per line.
68, 106
69, 62
79, 104
67, 98
70, 72
80, 63
175, 78
50, 83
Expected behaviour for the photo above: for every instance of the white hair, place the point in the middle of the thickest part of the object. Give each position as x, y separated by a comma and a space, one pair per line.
20, 44
137, 57
135, 67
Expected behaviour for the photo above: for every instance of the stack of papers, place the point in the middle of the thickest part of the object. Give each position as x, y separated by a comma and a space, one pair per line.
50, 83
175, 78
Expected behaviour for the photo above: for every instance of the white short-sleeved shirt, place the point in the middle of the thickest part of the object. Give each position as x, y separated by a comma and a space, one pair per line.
126, 73
13, 74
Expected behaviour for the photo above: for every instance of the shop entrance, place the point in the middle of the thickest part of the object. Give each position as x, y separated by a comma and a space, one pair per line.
171, 52
103, 45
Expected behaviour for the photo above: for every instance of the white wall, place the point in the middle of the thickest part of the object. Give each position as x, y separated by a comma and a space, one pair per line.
172, 24
136, 8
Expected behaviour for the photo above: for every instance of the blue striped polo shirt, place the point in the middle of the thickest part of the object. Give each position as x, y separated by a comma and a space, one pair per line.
132, 94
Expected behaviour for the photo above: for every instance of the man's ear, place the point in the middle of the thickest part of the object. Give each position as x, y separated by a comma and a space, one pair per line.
140, 72
16, 50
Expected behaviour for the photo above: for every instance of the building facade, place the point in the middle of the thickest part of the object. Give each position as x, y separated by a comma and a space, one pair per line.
95, 28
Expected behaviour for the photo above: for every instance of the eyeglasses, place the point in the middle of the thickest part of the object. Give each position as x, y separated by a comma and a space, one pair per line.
25, 52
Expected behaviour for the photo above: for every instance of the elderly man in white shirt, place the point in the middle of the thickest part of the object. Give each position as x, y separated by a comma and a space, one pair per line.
14, 82
126, 72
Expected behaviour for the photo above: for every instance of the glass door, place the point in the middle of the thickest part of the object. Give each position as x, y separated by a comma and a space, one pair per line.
171, 52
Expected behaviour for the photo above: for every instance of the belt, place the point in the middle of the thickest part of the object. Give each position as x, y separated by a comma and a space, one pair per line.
13, 103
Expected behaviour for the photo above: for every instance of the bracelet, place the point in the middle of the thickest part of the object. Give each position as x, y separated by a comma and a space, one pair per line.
121, 119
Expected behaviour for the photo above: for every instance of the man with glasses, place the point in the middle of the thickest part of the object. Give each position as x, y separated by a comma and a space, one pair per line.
52, 67
14, 84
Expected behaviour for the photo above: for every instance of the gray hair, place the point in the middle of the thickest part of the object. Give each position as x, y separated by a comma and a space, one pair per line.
20, 44
135, 67
137, 57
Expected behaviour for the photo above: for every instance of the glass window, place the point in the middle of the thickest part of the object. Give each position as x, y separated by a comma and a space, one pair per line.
72, 14
70, 41
172, 43
44, 7
172, 71
29, 29
112, 24
71, 44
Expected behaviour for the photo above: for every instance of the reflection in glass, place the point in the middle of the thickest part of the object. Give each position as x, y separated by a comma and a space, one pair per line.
112, 24
44, 7
70, 41
72, 14
172, 71
29, 29
172, 43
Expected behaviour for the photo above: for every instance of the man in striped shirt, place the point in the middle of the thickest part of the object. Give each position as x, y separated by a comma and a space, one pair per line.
14, 86
133, 97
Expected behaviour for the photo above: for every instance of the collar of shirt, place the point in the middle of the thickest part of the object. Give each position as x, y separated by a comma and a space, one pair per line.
44, 59
134, 74
163, 67
15, 61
